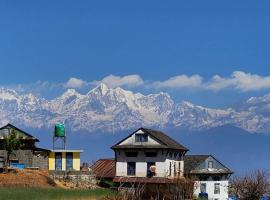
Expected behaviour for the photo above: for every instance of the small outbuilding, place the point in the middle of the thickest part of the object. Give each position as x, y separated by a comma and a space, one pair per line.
29, 156
65, 160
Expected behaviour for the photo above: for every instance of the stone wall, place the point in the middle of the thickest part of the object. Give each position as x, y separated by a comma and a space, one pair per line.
40, 160
75, 179
27, 157
23, 156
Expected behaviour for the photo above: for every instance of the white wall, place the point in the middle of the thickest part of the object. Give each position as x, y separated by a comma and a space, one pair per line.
210, 187
175, 163
162, 164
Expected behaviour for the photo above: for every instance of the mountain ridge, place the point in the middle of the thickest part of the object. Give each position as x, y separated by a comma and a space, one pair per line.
105, 109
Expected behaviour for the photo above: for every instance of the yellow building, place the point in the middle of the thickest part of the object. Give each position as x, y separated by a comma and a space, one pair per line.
65, 160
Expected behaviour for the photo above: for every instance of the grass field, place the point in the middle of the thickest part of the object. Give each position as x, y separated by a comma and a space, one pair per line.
53, 194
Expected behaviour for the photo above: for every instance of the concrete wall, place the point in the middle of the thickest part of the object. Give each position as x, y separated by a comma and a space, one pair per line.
76, 161
162, 161
51, 161
28, 158
210, 182
40, 160
210, 186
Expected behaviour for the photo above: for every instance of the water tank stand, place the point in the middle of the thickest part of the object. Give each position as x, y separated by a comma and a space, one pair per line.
59, 143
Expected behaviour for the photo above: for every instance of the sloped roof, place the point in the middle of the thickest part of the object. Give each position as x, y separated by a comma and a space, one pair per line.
26, 135
166, 141
169, 142
104, 168
191, 162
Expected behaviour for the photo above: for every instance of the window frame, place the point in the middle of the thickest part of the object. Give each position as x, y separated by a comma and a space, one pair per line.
212, 164
131, 172
151, 154
58, 161
69, 161
205, 187
141, 137
131, 154
217, 188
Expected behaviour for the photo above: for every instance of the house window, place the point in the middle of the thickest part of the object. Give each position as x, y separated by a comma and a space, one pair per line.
216, 178
174, 168
170, 169
131, 168
203, 188
169, 154
69, 161
217, 188
175, 155
151, 154
131, 154
141, 138
179, 169
58, 161
210, 164
151, 169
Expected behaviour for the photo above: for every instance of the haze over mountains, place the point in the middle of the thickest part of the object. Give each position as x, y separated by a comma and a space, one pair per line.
92, 118
109, 110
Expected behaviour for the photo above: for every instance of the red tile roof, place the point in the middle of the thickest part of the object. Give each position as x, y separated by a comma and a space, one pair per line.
104, 168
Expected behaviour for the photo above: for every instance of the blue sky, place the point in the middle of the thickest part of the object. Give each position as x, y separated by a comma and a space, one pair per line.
52, 41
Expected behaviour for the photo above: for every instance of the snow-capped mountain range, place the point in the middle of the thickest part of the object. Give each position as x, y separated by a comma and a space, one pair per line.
105, 109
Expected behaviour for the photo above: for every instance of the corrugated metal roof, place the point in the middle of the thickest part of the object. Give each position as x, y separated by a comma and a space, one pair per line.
167, 142
104, 168
193, 161
27, 136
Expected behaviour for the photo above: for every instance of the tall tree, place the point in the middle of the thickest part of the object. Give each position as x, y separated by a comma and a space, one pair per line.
11, 143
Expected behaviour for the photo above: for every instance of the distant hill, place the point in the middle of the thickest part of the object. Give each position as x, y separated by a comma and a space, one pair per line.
235, 147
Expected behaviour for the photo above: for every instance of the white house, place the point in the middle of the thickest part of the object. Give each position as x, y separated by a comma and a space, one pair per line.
210, 176
148, 154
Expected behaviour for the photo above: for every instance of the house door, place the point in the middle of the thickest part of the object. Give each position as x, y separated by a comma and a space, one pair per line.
131, 168
2, 160
58, 161
69, 161
151, 169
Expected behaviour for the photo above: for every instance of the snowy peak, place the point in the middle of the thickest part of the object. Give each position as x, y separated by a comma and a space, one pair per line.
105, 109
256, 100
101, 89
8, 94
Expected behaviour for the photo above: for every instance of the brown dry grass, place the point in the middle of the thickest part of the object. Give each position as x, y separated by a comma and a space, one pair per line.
26, 178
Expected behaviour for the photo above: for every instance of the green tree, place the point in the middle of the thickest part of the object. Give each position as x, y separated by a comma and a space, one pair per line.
11, 143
